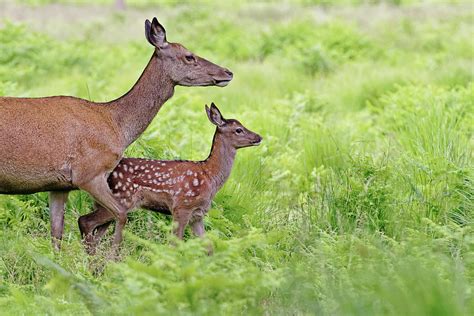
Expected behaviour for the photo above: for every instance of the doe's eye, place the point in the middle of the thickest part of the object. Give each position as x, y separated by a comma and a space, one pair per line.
190, 58
239, 130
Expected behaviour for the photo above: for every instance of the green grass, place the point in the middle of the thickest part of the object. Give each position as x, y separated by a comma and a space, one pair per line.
359, 201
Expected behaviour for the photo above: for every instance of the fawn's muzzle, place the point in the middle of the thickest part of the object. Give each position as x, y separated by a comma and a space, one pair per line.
257, 140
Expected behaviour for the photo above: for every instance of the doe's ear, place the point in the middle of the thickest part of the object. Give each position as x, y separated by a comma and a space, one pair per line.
155, 33
215, 115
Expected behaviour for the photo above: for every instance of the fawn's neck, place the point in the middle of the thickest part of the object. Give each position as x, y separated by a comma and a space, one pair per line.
135, 110
220, 161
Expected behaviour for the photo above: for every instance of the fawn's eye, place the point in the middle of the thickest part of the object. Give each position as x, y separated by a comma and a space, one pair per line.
239, 130
190, 58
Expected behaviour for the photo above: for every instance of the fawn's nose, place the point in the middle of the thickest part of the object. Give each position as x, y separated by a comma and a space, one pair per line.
258, 139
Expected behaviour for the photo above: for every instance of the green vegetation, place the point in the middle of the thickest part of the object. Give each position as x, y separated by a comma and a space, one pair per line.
359, 201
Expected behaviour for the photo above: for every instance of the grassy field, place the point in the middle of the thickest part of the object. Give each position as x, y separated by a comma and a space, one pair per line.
360, 201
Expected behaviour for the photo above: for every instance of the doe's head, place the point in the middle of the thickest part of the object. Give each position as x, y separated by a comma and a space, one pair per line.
233, 131
182, 66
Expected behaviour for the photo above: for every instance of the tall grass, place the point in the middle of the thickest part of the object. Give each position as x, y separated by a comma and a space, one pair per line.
359, 200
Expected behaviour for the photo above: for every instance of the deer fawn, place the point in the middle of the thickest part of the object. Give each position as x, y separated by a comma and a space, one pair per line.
183, 189
62, 143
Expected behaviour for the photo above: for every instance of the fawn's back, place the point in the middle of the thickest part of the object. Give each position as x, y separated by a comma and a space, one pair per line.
161, 185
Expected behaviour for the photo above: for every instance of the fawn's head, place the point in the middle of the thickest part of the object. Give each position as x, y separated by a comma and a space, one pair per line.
233, 131
182, 66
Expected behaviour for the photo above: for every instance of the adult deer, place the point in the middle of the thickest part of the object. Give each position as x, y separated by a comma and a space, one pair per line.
183, 189
62, 143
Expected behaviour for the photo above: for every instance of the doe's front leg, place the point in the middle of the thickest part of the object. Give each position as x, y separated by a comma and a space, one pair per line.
93, 226
100, 191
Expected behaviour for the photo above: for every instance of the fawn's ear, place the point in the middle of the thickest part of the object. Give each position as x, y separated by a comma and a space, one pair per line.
155, 33
215, 115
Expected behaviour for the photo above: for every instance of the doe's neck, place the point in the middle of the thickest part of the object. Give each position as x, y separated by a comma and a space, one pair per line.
134, 111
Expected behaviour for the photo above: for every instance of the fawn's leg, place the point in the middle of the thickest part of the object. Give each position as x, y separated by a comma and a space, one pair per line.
198, 230
57, 203
181, 218
100, 191
93, 226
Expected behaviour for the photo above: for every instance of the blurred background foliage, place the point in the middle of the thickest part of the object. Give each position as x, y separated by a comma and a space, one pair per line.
359, 201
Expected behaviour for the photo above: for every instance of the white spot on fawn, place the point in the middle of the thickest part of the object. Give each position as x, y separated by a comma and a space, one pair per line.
195, 182
114, 174
120, 175
125, 167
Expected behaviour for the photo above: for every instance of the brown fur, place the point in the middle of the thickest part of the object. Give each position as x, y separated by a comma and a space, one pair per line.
183, 189
63, 143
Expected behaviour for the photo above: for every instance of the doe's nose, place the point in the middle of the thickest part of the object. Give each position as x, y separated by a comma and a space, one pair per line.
227, 71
